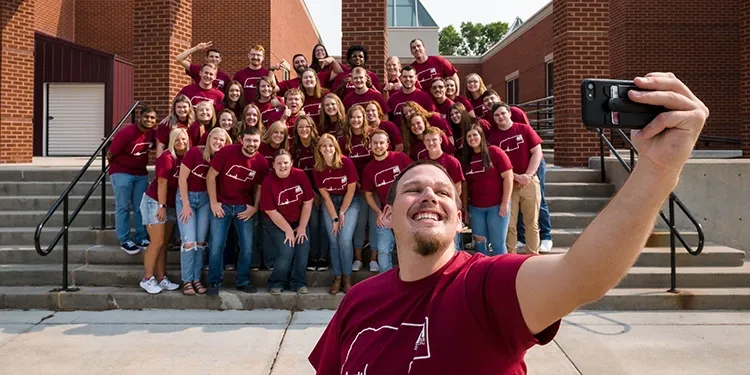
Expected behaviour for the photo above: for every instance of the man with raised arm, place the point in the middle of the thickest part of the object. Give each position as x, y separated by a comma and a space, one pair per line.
213, 56
448, 312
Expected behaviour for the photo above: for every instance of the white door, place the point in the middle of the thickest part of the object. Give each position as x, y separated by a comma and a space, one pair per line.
75, 118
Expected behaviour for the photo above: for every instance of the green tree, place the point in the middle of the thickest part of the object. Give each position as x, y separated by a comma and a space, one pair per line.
449, 41
474, 38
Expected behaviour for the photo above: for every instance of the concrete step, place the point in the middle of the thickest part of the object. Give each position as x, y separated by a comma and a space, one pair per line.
130, 275
566, 237
110, 298
711, 256
33, 218
571, 219
45, 202
23, 188
572, 175
60, 174
578, 189
576, 204
76, 235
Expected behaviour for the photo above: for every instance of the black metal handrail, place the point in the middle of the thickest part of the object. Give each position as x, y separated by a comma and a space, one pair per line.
674, 233
543, 109
65, 196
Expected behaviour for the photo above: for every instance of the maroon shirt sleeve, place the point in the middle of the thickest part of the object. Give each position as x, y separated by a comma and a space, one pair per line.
194, 72
266, 196
218, 161
263, 168
162, 133
394, 133
447, 146
384, 104
120, 140
518, 115
307, 190
456, 172
350, 170
500, 159
366, 183
326, 356
494, 303
164, 166
375, 83
531, 137
448, 69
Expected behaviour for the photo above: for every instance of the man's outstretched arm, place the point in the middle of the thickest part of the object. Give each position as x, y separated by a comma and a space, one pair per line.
550, 287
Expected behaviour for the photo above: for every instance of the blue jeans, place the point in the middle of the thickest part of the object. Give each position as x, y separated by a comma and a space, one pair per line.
545, 226
366, 215
269, 248
219, 230
319, 241
195, 231
129, 190
288, 260
385, 243
487, 223
342, 249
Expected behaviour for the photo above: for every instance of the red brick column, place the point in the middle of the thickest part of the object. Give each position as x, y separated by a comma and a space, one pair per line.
365, 22
16, 80
581, 47
161, 30
744, 19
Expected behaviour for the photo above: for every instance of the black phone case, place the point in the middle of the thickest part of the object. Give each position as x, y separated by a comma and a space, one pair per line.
597, 112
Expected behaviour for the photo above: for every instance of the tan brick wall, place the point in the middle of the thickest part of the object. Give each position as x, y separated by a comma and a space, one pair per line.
56, 18
106, 28
16, 80
365, 22
744, 97
291, 32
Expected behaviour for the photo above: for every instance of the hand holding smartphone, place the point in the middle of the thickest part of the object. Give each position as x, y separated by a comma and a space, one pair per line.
605, 104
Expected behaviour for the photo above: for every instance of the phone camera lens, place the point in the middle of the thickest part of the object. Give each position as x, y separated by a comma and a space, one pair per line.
590, 86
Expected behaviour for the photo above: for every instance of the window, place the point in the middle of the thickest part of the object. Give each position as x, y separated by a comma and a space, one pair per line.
549, 79
511, 91
285, 74
405, 15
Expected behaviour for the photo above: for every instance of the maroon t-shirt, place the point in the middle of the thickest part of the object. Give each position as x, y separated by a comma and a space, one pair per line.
458, 136
197, 94
434, 67
467, 104
268, 113
290, 121
347, 71
306, 161
222, 78
323, 78
392, 91
167, 167
360, 152
268, 152
517, 142
518, 115
464, 318
378, 175
238, 174
419, 150
194, 134
163, 130
397, 99
129, 148
440, 123
286, 194
335, 181
249, 79
198, 166
479, 110
312, 108
444, 108
486, 184
394, 133
452, 165
362, 99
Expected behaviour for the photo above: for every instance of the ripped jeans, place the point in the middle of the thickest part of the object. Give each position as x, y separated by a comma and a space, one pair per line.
195, 231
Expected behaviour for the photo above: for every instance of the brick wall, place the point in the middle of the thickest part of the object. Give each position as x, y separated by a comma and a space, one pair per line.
234, 26
581, 47
365, 22
163, 30
744, 89
108, 29
524, 54
292, 32
698, 42
56, 18
464, 70
16, 80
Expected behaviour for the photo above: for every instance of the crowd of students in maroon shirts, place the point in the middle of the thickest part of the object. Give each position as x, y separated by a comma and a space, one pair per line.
292, 176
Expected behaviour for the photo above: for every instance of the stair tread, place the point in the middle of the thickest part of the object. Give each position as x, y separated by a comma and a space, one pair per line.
55, 228
694, 291
707, 250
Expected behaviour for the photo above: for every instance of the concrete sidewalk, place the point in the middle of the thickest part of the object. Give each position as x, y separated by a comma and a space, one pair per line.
276, 342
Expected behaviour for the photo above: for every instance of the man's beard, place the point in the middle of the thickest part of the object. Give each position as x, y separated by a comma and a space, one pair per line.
427, 244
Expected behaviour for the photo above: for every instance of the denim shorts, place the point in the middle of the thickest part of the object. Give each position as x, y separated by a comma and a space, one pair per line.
149, 207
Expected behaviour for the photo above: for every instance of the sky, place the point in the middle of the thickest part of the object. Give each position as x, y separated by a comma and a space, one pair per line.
327, 15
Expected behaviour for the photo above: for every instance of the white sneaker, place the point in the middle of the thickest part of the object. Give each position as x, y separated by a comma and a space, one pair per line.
357, 265
374, 266
545, 247
168, 285
520, 245
151, 286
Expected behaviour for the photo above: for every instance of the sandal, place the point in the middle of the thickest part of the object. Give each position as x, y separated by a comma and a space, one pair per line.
187, 289
199, 287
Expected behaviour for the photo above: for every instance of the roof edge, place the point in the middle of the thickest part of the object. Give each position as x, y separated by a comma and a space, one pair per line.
531, 22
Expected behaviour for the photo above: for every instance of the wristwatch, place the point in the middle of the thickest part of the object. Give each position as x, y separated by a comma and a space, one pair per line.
335, 220
162, 206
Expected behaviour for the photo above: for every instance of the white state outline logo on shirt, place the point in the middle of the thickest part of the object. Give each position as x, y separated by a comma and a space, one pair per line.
314, 112
141, 148
202, 99
253, 82
290, 197
341, 179
299, 162
358, 154
471, 167
247, 173
431, 71
200, 171
422, 340
515, 142
397, 110
394, 171
419, 154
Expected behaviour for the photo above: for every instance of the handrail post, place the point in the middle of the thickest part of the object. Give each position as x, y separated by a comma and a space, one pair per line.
104, 190
65, 245
601, 155
672, 250
537, 116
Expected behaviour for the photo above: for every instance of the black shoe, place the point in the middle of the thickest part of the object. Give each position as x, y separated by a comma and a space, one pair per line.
247, 288
312, 265
213, 290
322, 265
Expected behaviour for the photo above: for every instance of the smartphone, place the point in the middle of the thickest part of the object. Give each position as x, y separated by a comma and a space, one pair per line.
605, 104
